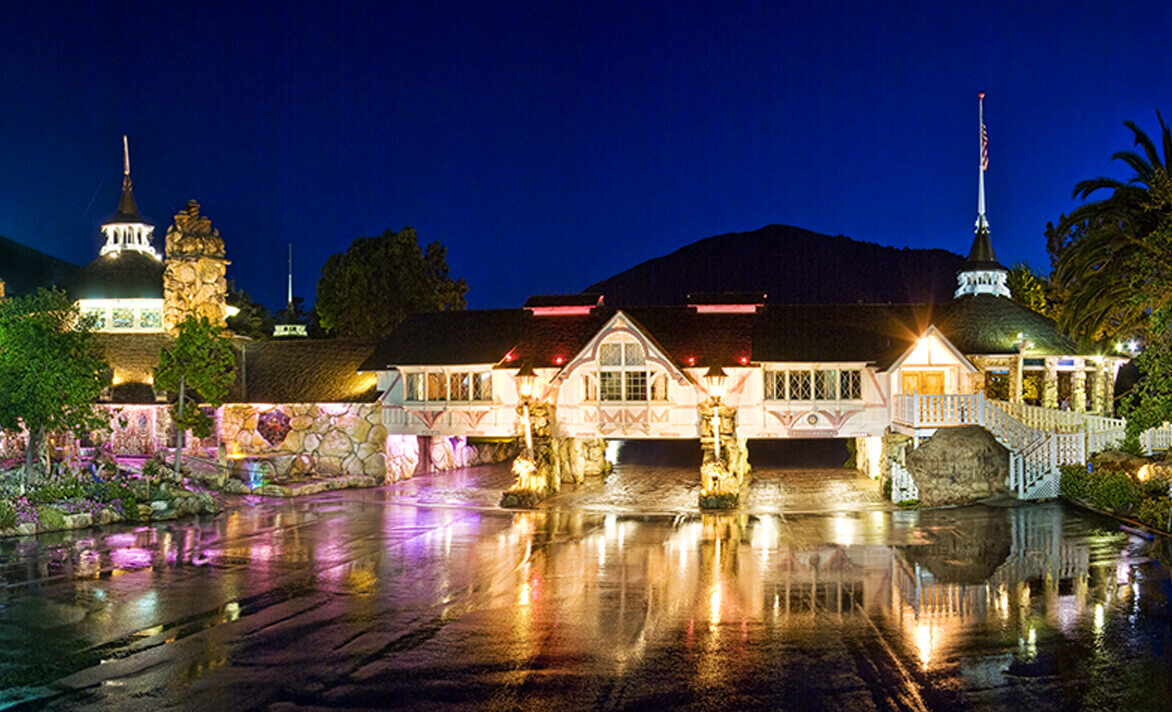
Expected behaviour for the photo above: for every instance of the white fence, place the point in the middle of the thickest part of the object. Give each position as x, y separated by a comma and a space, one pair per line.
903, 487
1156, 439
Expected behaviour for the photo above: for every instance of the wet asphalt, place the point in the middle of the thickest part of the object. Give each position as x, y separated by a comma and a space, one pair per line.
426, 596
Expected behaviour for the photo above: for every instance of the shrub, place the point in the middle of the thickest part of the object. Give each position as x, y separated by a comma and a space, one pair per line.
1131, 446
1154, 512
7, 514
1113, 490
1075, 483
887, 486
1156, 486
720, 500
51, 518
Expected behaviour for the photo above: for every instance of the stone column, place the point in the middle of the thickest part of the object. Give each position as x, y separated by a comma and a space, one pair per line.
1078, 389
1108, 377
1015, 374
734, 456
1050, 385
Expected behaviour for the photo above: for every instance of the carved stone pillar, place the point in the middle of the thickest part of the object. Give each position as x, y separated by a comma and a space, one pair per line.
1108, 377
1050, 385
1078, 390
1015, 364
194, 282
733, 456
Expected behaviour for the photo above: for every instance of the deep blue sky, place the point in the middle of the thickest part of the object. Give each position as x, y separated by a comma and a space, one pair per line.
553, 144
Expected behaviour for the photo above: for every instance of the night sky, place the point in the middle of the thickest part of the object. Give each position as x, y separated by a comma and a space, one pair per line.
553, 144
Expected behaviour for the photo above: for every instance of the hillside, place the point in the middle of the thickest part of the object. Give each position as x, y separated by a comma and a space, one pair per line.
792, 266
23, 268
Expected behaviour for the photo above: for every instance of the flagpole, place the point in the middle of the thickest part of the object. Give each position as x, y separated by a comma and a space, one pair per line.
982, 222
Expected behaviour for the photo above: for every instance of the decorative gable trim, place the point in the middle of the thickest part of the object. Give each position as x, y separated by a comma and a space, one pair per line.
620, 323
936, 333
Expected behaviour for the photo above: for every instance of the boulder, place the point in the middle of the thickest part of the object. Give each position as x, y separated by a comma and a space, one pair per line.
959, 465
1117, 461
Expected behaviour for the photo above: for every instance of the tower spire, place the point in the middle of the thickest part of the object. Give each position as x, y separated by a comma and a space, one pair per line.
290, 277
127, 230
125, 156
983, 164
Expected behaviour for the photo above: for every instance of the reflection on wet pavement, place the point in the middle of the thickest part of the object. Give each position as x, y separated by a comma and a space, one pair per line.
376, 599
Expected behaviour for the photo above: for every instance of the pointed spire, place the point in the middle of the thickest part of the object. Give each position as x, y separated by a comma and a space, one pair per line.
981, 273
127, 207
290, 277
288, 325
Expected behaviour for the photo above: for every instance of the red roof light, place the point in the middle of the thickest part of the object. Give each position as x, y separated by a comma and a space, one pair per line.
559, 360
744, 359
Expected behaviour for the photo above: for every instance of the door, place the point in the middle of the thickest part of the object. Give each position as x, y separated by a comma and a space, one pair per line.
927, 383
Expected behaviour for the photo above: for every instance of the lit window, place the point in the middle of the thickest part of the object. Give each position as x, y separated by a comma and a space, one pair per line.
610, 355
437, 386
461, 386
622, 371
122, 319
150, 319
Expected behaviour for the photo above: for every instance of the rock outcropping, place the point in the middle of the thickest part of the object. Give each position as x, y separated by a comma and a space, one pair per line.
959, 465
194, 282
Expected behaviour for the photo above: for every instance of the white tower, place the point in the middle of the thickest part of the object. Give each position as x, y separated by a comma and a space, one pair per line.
982, 274
127, 230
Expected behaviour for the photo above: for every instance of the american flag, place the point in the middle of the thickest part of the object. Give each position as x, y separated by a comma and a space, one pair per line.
984, 148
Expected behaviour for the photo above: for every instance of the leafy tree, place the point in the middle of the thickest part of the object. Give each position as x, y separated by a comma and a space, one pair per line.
1029, 289
199, 366
51, 370
1112, 269
1149, 403
366, 291
254, 320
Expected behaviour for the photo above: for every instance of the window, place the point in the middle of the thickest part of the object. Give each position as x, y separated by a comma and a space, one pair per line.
123, 319
589, 388
98, 316
659, 387
850, 386
622, 372
636, 385
799, 385
150, 319
825, 385
415, 389
437, 386
461, 387
611, 383
483, 386
775, 385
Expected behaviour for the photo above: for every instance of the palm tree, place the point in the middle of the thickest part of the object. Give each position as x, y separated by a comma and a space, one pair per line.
1109, 263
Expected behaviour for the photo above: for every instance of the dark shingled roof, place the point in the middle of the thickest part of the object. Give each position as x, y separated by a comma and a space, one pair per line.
871, 333
455, 337
981, 255
563, 300
985, 324
127, 274
303, 371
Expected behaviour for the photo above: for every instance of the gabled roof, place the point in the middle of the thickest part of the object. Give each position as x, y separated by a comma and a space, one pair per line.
866, 333
542, 301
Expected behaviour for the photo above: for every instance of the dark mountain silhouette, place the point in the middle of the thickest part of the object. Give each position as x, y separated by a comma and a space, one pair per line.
792, 266
23, 268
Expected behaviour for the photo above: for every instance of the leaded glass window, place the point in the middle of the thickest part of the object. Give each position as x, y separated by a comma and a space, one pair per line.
415, 387
98, 316
659, 387
799, 385
610, 355
636, 385
825, 385
437, 386
483, 386
611, 385
775, 385
461, 384
150, 319
850, 385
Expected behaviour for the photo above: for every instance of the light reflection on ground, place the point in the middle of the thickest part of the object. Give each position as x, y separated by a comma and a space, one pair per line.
378, 598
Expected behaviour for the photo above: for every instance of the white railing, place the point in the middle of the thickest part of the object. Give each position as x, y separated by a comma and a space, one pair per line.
1156, 439
933, 411
1039, 418
903, 487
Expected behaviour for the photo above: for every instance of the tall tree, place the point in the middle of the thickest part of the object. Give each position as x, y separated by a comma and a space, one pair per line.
51, 370
199, 366
1029, 289
366, 291
254, 320
1112, 271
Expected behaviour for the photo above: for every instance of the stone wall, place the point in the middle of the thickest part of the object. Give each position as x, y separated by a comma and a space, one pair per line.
194, 272
308, 439
575, 459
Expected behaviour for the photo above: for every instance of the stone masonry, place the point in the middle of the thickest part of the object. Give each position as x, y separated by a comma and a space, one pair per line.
194, 281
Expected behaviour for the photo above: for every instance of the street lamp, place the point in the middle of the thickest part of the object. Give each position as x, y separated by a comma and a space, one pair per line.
715, 380
526, 379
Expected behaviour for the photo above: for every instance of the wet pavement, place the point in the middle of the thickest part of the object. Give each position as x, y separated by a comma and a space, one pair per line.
425, 596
